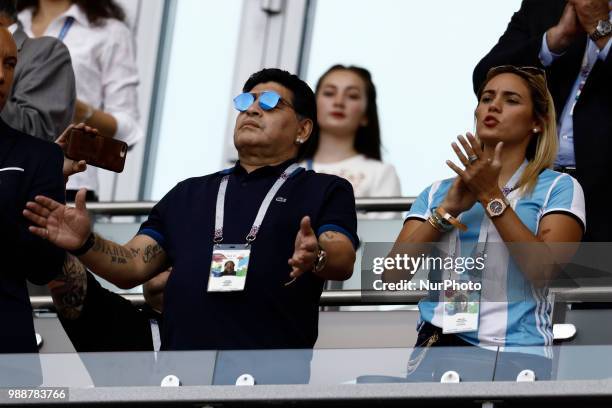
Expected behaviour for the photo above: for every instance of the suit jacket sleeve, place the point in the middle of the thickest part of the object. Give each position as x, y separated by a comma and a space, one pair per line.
517, 46
41, 260
44, 92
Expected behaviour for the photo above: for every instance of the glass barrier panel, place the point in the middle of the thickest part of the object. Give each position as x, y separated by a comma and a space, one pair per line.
314, 367
582, 362
259, 367
525, 363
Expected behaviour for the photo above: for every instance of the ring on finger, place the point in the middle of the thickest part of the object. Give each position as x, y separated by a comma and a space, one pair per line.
472, 158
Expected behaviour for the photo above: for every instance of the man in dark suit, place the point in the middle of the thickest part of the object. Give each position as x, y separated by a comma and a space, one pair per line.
28, 167
571, 41
42, 100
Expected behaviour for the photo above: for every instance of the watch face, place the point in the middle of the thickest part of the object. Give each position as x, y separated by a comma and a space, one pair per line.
496, 207
321, 261
604, 27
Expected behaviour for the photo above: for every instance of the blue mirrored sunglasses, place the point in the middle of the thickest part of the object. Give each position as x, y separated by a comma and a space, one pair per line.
268, 100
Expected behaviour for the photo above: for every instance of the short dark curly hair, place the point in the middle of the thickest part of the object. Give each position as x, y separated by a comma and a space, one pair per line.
303, 101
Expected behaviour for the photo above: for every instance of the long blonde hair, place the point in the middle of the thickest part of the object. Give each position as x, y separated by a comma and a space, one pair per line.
542, 149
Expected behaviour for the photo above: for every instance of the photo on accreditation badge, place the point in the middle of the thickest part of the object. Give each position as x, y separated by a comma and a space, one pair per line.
461, 302
461, 311
228, 269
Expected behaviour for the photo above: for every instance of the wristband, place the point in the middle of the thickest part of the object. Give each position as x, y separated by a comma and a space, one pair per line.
439, 223
449, 218
435, 225
91, 239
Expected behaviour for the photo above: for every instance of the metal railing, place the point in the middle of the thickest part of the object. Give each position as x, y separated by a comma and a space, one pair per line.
357, 298
477, 394
144, 207
328, 298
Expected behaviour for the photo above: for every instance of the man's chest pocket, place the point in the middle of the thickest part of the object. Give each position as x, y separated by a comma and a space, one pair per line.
11, 187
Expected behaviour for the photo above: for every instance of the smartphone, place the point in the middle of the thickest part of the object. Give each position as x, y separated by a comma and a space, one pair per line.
96, 150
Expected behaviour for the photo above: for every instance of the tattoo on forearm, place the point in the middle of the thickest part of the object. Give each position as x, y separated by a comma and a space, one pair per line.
121, 255
117, 253
69, 289
150, 253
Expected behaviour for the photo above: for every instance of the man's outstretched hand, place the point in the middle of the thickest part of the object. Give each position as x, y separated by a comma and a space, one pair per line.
306, 247
63, 226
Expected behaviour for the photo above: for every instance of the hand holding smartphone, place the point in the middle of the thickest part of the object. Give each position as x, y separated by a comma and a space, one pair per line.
96, 150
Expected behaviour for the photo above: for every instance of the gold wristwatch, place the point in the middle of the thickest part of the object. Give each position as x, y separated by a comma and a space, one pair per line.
496, 206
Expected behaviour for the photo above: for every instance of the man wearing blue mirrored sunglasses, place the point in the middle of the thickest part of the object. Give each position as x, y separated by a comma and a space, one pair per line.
298, 227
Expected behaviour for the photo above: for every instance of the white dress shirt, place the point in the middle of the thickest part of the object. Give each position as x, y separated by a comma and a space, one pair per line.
106, 75
565, 128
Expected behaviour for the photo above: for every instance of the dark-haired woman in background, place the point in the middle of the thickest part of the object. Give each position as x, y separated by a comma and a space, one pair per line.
348, 144
101, 47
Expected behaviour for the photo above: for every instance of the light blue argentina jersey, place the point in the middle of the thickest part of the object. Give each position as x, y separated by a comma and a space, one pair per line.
520, 316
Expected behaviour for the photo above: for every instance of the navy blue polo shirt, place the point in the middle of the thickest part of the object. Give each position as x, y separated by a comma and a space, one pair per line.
267, 314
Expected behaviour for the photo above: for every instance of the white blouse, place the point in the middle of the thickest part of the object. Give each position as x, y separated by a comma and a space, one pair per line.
106, 75
369, 178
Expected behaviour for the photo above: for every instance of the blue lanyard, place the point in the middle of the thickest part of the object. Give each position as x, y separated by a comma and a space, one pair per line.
66, 27
309, 164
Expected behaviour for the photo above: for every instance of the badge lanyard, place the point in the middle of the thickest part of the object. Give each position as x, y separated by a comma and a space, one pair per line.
263, 209
230, 262
465, 318
585, 70
65, 28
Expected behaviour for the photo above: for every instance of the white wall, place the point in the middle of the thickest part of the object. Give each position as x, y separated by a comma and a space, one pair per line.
144, 17
421, 55
198, 92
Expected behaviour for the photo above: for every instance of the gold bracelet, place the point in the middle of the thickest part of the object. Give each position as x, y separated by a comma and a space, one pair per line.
434, 224
446, 215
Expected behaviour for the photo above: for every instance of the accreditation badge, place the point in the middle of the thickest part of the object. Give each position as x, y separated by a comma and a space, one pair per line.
228, 268
461, 304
